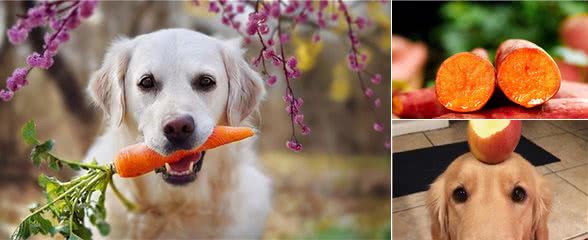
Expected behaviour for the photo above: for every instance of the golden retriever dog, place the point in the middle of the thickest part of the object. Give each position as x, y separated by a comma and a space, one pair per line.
168, 89
474, 200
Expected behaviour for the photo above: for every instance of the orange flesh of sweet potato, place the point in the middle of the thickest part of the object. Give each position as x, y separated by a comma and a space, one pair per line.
465, 82
526, 74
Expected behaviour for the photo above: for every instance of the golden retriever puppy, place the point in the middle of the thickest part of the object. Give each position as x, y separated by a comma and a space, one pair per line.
474, 200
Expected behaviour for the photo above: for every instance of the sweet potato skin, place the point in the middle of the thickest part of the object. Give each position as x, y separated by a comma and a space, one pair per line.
571, 89
563, 108
574, 32
421, 103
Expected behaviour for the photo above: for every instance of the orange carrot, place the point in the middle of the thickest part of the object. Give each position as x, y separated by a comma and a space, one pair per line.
420, 103
138, 159
526, 74
465, 81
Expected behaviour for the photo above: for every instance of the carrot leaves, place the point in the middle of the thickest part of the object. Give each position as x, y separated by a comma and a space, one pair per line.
70, 205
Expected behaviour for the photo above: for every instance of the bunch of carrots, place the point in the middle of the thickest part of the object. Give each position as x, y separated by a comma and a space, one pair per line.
68, 203
524, 83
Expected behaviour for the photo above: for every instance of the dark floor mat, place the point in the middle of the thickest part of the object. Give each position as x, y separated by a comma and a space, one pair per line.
413, 171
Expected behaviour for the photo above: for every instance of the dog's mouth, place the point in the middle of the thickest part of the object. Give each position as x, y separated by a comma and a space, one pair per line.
183, 171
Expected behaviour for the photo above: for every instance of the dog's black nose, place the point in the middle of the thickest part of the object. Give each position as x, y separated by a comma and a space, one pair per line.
179, 129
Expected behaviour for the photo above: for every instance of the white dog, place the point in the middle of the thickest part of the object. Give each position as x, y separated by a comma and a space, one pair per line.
168, 89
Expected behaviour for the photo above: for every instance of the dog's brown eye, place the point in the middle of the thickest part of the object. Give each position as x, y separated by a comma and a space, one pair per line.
518, 194
147, 82
204, 83
460, 195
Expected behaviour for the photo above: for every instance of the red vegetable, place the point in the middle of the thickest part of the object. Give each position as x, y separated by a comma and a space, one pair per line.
562, 108
421, 103
572, 90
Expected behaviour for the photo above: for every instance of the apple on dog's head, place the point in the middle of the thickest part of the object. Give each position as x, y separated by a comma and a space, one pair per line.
493, 141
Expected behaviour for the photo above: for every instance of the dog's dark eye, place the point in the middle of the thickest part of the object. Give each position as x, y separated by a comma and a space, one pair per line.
518, 194
204, 83
147, 82
460, 195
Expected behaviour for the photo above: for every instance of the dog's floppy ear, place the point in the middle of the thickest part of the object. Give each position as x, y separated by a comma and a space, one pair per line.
437, 205
107, 85
245, 85
541, 208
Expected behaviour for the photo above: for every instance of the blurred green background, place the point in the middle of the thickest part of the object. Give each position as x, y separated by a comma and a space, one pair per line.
447, 28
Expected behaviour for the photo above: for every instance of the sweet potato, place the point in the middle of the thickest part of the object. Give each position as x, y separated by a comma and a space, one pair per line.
526, 74
563, 108
570, 89
465, 81
421, 103
574, 32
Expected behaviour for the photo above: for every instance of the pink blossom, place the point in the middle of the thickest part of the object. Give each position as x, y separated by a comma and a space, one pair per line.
17, 35
228, 8
316, 37
334, 17
292, 62
213, 7
17, 80
6, 95
387, 143
87, 8
263, 29
376, 79
294, 145
284, 38
378, 127
305, 130
62, 36
377, 103
73, 22
240, 8
369, 92
36, 16
360, 22
299, 118
274, 10
40, 61
272, 80
323, 4
55, 23
291, 8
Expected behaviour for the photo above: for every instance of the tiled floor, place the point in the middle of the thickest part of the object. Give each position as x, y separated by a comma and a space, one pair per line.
567, 140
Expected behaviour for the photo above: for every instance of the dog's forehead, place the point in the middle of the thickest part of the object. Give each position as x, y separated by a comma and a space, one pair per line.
178, 43
515, 169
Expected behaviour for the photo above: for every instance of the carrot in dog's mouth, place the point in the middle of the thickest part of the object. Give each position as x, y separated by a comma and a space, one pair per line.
183, 171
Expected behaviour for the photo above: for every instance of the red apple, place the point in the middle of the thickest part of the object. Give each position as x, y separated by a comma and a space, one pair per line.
493, 141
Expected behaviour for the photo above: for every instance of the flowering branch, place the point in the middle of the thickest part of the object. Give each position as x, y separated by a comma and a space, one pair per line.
258, 27
263, 23
61, 17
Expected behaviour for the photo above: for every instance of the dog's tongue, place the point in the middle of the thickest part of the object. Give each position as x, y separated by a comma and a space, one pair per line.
184, 163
